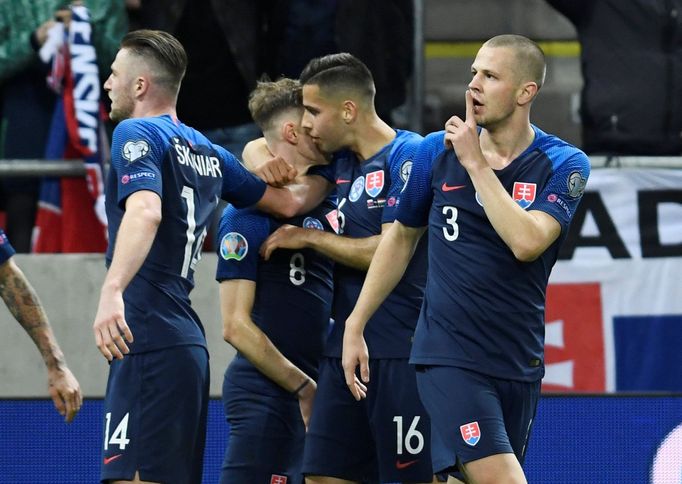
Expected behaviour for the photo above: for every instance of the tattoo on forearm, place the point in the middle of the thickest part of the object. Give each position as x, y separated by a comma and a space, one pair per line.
22, 301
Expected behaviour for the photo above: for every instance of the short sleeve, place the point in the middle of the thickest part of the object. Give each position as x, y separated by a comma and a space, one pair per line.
400, 162
6, 249
137, 152
562, 193
241, 233
414, 201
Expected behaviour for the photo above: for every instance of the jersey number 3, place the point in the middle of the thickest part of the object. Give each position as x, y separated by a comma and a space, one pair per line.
451, 229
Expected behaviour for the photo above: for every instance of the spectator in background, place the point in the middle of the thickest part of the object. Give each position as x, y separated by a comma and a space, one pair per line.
225, 44
22, 301
379, 33
27, 103
632, 67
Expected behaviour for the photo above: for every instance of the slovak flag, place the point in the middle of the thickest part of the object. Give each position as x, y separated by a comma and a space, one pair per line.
71, 215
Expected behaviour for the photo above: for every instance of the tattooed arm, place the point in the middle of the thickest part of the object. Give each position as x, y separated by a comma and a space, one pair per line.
23, 303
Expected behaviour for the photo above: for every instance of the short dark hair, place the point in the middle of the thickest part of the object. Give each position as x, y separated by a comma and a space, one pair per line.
270, 98
166, 53
341, 71
531, 65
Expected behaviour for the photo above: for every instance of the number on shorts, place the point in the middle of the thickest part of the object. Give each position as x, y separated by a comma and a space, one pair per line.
120, 435
412, 433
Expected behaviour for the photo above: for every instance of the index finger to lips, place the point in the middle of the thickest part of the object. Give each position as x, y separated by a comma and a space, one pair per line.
469, 100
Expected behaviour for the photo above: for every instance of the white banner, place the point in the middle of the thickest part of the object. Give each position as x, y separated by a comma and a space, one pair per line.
614, 312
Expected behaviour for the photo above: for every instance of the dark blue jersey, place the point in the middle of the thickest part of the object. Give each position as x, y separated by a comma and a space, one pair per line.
368, 193
484, 309
294, 289
189, 174
6, 249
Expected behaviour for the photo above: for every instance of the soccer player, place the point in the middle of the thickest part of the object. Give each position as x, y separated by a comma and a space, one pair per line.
497, 208
275, 313
22, 301
386, 436
163, 186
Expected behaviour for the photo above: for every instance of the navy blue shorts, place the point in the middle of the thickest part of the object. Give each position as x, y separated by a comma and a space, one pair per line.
474, 415
266, 437
155, 416
385, 437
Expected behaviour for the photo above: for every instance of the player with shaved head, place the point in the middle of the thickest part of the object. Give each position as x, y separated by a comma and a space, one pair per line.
496, 195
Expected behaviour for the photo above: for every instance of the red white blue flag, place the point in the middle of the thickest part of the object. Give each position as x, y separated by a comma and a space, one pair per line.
71, 215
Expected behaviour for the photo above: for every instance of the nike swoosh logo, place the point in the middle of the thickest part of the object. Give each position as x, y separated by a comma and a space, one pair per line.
339, 181
448, 188
402, 465
108, 460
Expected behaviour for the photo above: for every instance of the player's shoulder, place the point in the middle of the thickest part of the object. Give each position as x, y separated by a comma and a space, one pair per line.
139, 130
558, 150
404, 136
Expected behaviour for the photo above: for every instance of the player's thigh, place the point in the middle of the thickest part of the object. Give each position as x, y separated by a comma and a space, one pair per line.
466, 414
155, 415
266, 437
495, 469
519, 406
339, 442
401, 425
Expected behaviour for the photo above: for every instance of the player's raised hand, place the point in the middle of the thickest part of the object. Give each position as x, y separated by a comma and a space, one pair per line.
110, 326
65, 392
276, 172
285, 237
462, 135
355, 353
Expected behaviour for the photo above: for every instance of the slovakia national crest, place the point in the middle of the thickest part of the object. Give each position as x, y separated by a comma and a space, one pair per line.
471, 433
524, 193
374, 183
233, 246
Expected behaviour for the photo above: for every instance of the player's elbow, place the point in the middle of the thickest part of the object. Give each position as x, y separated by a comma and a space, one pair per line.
232, 330
288, 210
527, 250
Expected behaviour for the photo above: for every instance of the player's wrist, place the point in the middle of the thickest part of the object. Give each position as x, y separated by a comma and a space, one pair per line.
302, 390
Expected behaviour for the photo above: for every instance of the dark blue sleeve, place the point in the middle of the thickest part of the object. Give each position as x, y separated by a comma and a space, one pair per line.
240, 236
562, 193
325, 171
240, 187
415, 199
6, 249
137, 152
399, 166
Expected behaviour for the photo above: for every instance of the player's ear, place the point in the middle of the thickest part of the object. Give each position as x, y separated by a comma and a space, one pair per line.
527, 93
349, 111
289, 133
140, 86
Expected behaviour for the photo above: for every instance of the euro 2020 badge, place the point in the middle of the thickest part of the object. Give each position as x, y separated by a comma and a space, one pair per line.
233, 246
